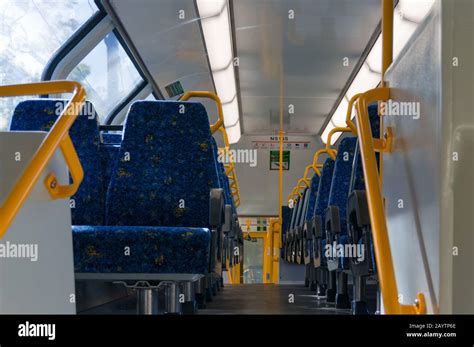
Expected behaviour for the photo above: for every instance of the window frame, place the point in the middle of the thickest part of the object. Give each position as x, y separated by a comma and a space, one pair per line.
82, 42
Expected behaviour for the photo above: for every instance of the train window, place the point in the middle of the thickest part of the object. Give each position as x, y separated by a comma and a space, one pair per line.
108, 75
30, 32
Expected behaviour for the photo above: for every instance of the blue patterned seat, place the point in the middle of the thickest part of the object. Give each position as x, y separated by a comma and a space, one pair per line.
40, 115
170, 160
285, 216
223, 179
109, 156
299, 229
335, 221
322, 199
312, 197
358, 183
158, 197
289, 232
307, 234
152, 249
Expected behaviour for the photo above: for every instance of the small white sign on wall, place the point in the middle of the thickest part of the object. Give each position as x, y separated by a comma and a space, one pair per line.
273, 143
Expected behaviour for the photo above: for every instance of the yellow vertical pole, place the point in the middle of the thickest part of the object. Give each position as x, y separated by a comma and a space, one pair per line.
387, 36
276, 227
281, 134
387, 58
278, 244
267, 258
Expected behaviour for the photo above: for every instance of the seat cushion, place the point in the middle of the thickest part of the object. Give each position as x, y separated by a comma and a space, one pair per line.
152, 249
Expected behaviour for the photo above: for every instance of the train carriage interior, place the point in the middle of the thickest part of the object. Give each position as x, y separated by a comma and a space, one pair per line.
233, 157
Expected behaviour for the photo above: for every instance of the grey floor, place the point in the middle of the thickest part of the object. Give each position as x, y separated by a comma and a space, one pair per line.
268, 299
244, 299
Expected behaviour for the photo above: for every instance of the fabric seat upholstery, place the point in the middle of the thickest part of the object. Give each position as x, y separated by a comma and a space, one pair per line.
40, 115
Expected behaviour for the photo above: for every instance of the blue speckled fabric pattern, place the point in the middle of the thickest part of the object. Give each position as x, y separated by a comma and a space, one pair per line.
40, 115
109, 155
358, 179
223, 179
358, 182
111, 138
171, 162
312, 197
374, 120
322, 200
152, 249
324, 188
341, 179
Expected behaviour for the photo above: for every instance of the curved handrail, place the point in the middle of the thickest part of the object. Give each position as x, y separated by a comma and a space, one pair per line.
331, 152
219, 125
349, 122
378, 222
332, 132
205, 94
57, 137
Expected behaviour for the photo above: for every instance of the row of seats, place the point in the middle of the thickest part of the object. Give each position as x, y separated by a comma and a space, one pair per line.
141, 208
333, 212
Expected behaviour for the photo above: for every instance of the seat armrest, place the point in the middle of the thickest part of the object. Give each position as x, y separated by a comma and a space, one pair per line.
316, 227
357, 203
228, 223
332, 220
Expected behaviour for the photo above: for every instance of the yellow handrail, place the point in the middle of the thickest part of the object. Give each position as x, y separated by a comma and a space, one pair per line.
208, 95
231, 168
350, 124
332, 154
219, 125
332, 132
57, 137
378, 222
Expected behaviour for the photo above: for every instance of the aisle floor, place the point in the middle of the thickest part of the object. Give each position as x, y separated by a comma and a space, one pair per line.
268, 299
243, 299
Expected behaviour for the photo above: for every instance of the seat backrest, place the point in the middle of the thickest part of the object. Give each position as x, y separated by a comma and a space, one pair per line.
302, 209
312, 197
223, 179
357, 179
87, 207
109, 156
170, 170
323, 189
294, 212
298, 207
285, 218
341, 179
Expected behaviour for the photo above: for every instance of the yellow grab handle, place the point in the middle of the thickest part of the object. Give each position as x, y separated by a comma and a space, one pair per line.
57, 137
218, 125
205, 94
58, 191
332, 154
349, 122
378, 222
332, 132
